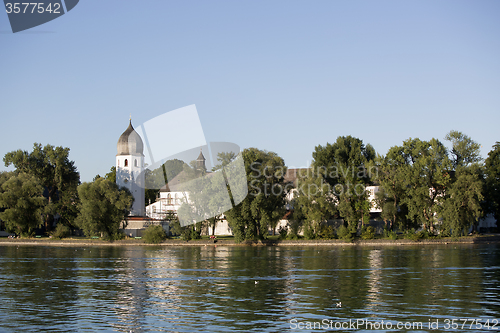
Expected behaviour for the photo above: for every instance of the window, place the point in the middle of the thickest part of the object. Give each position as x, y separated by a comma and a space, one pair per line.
169, 199
126, 162
135, 162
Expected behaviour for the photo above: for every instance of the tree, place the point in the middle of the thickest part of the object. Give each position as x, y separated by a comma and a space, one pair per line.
103, 207
346, 166
264, 205
315, 201
391, 177
462, 206
111, 175
427, 175
21, 196
57, 175
464, 151
154, 234
157, 178
492, 186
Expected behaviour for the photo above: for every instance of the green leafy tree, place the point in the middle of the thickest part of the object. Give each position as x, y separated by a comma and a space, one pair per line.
492, 186
21, 197
464, 151
57, 175
111, 175
103, 207
427, 175
264, 205
462, 207
157, 178
391, 178
154, 234
346, 166
315, 201
464, 195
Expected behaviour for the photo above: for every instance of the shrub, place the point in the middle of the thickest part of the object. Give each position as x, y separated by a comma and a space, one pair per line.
327, 232
423, 234
283, 231
294, 229
113, 237
61, 231
345, 234
390, 234
309, 232
154, 234
412, 235
368, 232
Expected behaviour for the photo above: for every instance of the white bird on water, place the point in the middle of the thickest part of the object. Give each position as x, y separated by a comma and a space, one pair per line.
256, 282
339, 304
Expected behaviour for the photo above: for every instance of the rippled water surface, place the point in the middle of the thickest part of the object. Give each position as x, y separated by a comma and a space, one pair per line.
249, 289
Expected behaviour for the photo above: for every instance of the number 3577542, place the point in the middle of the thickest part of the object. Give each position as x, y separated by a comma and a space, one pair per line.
32, 8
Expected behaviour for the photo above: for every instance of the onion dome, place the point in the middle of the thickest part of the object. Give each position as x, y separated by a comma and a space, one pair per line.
130, 143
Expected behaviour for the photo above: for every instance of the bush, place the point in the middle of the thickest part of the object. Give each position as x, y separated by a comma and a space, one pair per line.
309, 232
423, 234
154, 234
390, 234
294, 229
283, 231
412, 235
326, 232
345, 234
113, 237
368, 232
62, 231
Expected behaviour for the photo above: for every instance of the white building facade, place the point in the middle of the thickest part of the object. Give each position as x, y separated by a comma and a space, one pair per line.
130, 167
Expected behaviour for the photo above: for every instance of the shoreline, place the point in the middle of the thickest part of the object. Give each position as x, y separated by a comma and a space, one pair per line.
485, 239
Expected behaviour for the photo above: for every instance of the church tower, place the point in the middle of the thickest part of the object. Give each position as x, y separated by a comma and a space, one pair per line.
200, 162
130, 167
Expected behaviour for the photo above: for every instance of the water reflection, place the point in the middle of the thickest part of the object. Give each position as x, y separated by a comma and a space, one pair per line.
186, 289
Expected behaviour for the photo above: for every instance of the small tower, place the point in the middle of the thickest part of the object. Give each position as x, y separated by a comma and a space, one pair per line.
200, 162
130, 167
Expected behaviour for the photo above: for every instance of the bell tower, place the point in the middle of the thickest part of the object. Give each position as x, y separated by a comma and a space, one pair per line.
130, 167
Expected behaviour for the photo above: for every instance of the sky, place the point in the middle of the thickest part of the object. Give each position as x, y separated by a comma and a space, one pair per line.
283, 75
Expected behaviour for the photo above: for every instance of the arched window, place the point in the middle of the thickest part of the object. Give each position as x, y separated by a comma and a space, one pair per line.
169, 199
135, 162
176, 201
126, 162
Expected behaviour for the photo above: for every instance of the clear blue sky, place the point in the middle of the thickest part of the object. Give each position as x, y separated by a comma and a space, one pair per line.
281, 75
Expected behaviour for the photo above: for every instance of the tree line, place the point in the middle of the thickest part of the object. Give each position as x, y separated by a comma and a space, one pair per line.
423, 185
45, 188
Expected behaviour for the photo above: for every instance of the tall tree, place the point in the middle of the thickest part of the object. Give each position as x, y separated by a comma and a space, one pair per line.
21, 197
391, 177
264, 205
55, 172
462, 205
492, 170
464, 150
345, 165
315, 201
427, 175
103, 207
463, 196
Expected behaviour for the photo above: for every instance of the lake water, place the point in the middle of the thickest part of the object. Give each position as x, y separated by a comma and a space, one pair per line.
249, 289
